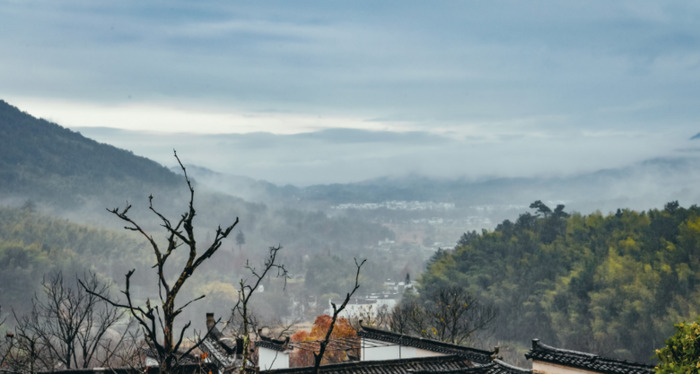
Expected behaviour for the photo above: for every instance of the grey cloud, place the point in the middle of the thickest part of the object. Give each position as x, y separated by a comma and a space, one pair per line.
501, 68
340, 135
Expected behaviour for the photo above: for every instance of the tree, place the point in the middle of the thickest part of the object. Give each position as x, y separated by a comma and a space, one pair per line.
158, 321
240, 239
68, 327
450, 314
240, 314
541, 208
326, 325
407, 317
323, 344
343, 337
682, 351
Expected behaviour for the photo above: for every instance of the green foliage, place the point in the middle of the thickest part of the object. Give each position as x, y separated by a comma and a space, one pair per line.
682, 351
32, 245
596, 283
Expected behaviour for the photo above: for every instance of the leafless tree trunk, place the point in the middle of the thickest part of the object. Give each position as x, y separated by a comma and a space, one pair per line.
336, 311
158, 321
241, 313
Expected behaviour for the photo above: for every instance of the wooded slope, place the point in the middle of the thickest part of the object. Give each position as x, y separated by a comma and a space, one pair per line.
56, 165
611, 284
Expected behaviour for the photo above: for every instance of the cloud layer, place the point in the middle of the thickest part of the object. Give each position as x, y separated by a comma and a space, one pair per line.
509, 81
350, 155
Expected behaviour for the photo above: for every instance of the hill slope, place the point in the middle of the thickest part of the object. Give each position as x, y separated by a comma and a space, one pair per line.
614, 283
44, 161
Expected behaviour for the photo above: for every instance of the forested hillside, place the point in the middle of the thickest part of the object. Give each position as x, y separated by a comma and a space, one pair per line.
33, 245
61, 167
47, 172
611, 284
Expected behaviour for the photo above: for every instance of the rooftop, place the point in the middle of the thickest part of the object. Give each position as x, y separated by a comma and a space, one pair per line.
399, 366
478, 356
495, 367
586, 361
274, 344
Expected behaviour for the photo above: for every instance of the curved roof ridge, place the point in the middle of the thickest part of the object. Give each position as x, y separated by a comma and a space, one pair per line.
537, 344
583, 360
425, 343
511, 366
385, 366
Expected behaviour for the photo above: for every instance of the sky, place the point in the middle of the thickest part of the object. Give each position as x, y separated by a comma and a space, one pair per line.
310, 92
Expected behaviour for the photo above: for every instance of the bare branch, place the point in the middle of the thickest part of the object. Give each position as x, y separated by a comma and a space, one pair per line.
246, 290
336, 311
159, 321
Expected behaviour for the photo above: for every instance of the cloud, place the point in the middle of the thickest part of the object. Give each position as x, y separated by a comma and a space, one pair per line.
357, 89
351, 155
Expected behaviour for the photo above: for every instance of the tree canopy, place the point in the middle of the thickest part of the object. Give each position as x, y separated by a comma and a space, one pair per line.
342, 331
682, 351
601, 283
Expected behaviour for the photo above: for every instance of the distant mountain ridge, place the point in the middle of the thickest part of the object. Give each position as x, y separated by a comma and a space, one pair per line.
610, 188
44, 161
47, 162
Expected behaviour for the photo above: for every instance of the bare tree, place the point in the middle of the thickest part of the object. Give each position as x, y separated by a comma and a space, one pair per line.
449, 314
408, 317
25, 353
67, 327
323, 344
372, 316
127, 351
241, 314
158, 321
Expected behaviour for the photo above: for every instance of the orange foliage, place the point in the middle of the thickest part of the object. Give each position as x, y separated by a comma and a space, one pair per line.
336, 351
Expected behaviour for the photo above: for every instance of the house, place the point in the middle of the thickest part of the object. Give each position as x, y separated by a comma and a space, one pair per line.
222, 351
438, 364
385, 352
550, 360
495, 367
379, 344
375, 345
273, 353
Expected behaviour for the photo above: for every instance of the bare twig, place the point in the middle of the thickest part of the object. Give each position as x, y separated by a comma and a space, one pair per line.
159, 320
336, 311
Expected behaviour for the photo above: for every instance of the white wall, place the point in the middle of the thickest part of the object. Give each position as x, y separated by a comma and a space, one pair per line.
374, 350
539, 367
269, 359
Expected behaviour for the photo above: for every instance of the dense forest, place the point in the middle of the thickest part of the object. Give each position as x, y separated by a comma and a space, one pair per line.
610, 284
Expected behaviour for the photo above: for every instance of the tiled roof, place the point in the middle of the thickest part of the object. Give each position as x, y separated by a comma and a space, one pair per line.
274, 344
181, 369
219, 348
400, 366
586, 361
475, 355
495, 367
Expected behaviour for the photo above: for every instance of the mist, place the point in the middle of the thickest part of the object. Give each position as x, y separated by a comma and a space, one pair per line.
350, 155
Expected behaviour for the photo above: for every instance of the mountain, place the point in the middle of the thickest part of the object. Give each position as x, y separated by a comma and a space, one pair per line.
47, 171
45, 162
650, 183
